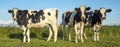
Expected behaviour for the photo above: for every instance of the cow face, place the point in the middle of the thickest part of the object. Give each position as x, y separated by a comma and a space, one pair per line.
14, 13
82, 11
103, 12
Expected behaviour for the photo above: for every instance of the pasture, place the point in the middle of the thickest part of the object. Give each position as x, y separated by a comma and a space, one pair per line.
12, 37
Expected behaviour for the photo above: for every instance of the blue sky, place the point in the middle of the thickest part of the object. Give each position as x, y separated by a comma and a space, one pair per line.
62, 5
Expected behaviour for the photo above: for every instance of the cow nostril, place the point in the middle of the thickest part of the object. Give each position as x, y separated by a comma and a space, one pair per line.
14, 19
83, 18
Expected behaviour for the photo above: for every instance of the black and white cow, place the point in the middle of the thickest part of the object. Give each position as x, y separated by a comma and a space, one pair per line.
95, 20
27, 19
76, 19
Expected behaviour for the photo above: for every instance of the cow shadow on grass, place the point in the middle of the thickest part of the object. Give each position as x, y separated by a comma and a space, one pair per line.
42, 36
20, 36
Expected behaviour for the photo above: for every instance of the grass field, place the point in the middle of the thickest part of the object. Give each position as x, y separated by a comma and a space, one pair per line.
12, 37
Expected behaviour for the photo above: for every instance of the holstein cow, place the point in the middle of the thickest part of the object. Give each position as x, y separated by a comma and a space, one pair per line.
27, 19
95, 20
76, 19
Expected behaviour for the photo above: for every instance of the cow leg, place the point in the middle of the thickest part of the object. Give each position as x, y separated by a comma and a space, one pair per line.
24, 33
85, 35
95, 33
28, 35
50, 33
63, 31
97, 36
76, 34
55, 30
24, 36
94, 30
82, 31
69, 34
55, 33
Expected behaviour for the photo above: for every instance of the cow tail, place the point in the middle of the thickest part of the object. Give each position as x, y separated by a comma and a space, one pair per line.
56, 14
56, 19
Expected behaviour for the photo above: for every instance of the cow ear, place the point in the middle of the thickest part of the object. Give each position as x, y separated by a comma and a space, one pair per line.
108, 10
88, 8
10, 11
77, 9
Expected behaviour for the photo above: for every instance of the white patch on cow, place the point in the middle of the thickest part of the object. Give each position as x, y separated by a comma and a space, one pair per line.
29, 21
15, 13
82, 8
29, 12
102, 11
50, 10
72, 18
38, 25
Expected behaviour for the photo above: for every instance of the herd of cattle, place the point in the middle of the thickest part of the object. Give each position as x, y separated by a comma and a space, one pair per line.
77, 18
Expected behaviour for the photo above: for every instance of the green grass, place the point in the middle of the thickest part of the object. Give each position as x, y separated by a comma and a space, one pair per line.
12, 37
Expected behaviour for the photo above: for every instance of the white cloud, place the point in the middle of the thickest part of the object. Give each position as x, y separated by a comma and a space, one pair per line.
7, 22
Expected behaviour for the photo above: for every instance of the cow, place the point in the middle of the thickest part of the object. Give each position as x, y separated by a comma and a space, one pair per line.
95, 20
28, 19
76, 19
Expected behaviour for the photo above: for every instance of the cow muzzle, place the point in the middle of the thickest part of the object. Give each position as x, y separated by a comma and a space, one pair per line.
83, 18
14, 19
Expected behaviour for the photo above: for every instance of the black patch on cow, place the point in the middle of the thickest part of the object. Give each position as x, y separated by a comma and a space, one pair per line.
33, 18
89, 16
96, 18
77, 17
67, 17
49, 13
36, 18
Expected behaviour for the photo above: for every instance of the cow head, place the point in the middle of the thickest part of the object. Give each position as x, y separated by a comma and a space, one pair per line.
102, 12
14, 13
82, 11
17, 14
